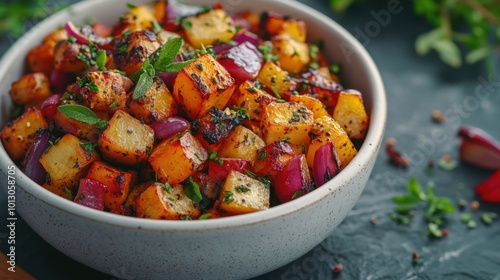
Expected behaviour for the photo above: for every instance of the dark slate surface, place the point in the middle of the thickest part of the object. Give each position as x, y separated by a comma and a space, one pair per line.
415, 86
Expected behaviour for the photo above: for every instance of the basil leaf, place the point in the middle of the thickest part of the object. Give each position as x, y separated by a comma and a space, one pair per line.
167, 53
79, 113
144, 83
192, 190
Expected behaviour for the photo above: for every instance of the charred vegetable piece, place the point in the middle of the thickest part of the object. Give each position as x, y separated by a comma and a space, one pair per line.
41, 58
103, 91
350, 113
30, 88
294, 180
71, 57
208, 28
321, 87
272, 159
241, 143
312, 104
79, 129
214, 127
252, 99
241, 194
137, 18
131, 49
276, 80
326, 164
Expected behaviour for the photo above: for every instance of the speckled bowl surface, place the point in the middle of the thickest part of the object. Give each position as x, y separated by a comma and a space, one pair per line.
227, 248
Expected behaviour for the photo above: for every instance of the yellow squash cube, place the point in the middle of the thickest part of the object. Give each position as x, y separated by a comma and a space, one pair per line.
241, 143
252, 99
350, 113
293, 54
241, 194
201, 85
209, 28
275, 78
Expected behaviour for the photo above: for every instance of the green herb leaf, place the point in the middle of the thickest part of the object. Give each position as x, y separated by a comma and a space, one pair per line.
296, 194
88, 147
433, 230
262, 155
250, 173
142, 86
228, 197
488, 217
79, 113
265, 181
101, 60
405, 199
167, 53
192, 190
205, 216
175, 67
213, 156
415, 190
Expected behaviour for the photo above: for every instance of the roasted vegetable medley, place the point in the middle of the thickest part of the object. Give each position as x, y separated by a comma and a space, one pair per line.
182, 112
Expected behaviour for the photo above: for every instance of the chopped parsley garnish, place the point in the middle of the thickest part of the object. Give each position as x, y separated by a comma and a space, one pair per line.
262, 155
200, 157
228, 197
242, 189
212, 155
296, 194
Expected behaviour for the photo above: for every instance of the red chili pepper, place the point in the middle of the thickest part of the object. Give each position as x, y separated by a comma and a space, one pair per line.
489, 190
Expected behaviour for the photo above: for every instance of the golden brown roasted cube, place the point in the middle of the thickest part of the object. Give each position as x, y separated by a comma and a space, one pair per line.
79, 129
293, 54
118, 183
272, 159
29, 88
156, 104
290, 122
350, 113
137, 18
126, 140
17, 136
103, 91
176, 158
241, 194
252, 99
326, 129
202, 85
241, 143
321, 87
214, 127
66, 162
209, 28
71, 57
157, 201
311, 103
276, 79
130, 50
276, 24
41, 58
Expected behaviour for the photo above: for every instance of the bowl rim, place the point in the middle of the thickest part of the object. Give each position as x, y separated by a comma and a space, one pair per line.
368, 149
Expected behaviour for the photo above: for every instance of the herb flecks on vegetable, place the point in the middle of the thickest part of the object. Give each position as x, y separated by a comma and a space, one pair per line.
160, 62
82, 114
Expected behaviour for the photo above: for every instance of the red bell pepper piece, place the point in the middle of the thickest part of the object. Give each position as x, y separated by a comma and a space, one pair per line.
489, 190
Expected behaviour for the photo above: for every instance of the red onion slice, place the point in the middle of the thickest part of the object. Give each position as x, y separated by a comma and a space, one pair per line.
60, 80
33, 168
326, 164
85, 34
243, 62
91, 194
294, 181
49, 106
169, 127
238, 39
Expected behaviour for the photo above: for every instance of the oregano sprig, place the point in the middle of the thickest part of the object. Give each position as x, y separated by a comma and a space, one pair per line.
162, 61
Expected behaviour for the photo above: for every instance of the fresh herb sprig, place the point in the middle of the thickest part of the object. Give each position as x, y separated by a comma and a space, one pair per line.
82, 114
435, 207
480, 37
160, 62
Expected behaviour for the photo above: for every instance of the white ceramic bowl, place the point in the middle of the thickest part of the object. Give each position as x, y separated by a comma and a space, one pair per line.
227, 248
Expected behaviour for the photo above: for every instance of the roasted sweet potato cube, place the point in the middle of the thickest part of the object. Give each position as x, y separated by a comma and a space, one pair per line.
293, 54
202, 85
350, 113
276, 24
126, 140
272, 159
156, 104
276, 79
103, 91
66, 162
176, 158
137, 18
209, 28
131, 49
118, 183
18, 136
252, 99
214, 127
41, 58
241, 194
71, 57
157, 201
316, 84
312, 104
326, 129
29, 88
290, 122
241, 143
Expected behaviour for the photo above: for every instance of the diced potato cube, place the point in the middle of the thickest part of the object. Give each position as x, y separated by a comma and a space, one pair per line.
126, 140
252, 99
350, 113
75, 127
276, 24
18, 136
66, 162
41, 58
132, 49
209, 28
118, 183
321, 87
202, 85
29, 88
241, 194
326, 129
290, 122
214, 127
272, 159
276, 79
156, 104
176, 158
241, 143
156, 201
138, 18
293, 54
312, 104
103, 91
71, 57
